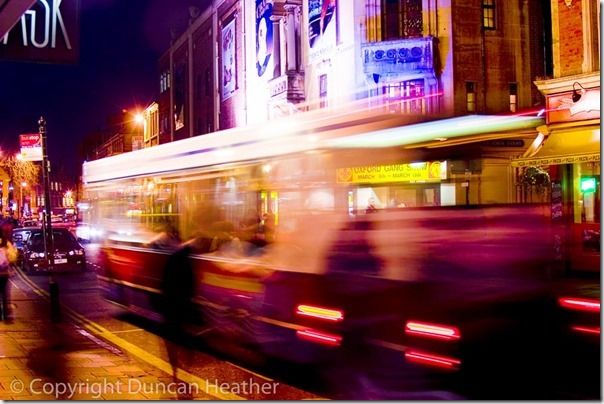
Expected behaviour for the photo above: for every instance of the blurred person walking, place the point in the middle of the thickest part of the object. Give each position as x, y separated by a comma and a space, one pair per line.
178, 290
8, 256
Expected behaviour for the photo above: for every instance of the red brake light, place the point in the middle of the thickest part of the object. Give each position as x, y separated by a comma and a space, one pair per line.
430, 330
320, 312
586, 330
319, 337
424, 358
581, 304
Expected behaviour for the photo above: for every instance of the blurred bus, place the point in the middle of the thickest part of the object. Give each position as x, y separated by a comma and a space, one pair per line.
398, 253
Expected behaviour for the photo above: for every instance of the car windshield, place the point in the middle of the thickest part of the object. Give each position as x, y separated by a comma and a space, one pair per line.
62, 241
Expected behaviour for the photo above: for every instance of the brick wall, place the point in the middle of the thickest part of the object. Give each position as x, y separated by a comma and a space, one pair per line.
570, 28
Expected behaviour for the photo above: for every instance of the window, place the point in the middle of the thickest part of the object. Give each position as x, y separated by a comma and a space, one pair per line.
488, 14
470, 96
405, 96
323, 90
393, 19
513, 97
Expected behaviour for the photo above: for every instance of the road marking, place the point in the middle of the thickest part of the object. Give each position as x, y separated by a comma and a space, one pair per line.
125, 331
204, 385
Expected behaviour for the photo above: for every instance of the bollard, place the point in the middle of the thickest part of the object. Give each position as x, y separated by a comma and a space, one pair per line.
55, 306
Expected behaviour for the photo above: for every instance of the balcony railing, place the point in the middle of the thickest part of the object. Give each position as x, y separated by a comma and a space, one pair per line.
414, 56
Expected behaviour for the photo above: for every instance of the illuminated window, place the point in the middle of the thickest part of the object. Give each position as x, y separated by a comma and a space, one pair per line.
513, 97
470, 96
323, 90
488, 14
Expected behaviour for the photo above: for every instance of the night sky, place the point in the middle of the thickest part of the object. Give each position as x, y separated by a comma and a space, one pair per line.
120, 44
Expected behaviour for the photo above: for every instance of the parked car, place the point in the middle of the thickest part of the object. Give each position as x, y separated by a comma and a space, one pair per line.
69, 254
19, 237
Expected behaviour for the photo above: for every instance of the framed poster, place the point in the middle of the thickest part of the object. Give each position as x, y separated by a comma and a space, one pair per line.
264, 35
229, 67
321, 27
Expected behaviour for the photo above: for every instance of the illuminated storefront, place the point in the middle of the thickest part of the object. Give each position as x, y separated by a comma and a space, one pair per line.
397, 185
570, 154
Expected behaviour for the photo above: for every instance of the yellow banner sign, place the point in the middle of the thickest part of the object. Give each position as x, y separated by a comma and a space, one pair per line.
430, 171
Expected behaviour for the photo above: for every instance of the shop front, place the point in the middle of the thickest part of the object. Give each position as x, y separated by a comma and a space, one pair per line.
570, 154
397, 186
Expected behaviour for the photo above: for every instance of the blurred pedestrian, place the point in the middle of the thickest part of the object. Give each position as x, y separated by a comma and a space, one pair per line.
178, 290
8, 256
167, 239
371, 208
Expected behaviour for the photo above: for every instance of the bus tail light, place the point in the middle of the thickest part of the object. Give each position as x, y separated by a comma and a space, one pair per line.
430, 330
319, 337
580, 304
321, 313
425, 358
586, 329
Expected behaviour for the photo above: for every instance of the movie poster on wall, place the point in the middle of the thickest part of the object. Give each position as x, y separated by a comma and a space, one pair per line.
264, 35
321, 27
229, 72
180, 85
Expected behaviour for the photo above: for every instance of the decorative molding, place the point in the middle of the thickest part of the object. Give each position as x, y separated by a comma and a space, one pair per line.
564, 84
402, 56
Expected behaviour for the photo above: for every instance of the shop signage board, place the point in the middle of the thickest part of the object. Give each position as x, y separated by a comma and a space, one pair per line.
31, 147
561, 107
430, 171
49, 32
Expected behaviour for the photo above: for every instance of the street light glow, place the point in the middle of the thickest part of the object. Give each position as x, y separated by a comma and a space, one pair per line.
139, 119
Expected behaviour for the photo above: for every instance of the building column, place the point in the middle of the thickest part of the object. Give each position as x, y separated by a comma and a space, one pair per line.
275, 19
291, 43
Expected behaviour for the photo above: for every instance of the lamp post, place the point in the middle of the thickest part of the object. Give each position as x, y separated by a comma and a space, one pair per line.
53, 286
21, 207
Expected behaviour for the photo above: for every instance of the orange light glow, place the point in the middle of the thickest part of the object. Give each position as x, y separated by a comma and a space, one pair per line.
319, 337
439, 361
320, 312
581, 304
139, 118
586, 330
429, 330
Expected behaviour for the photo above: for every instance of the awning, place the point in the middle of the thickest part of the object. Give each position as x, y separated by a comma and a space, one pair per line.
566, 146
446, 131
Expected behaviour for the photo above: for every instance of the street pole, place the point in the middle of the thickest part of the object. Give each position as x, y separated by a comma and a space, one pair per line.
53, 286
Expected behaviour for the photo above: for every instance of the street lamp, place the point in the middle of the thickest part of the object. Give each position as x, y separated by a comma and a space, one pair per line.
139, 119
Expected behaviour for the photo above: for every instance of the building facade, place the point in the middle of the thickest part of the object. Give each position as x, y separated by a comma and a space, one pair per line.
243, 62
151, 125
568, 147
123, 133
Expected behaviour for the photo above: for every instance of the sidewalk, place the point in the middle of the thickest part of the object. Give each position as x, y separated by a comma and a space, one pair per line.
40, 360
